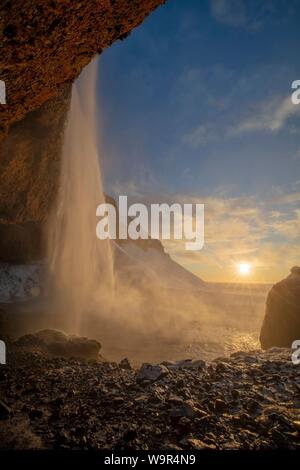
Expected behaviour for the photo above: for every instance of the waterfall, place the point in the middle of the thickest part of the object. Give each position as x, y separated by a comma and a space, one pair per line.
81, 265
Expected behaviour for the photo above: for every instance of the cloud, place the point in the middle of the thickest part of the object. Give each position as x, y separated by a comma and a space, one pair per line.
251, 14
269, 116
243, 228
264, 232
286, 198
200, 136
229, 12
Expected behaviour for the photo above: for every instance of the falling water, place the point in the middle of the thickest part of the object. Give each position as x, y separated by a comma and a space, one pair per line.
81, 265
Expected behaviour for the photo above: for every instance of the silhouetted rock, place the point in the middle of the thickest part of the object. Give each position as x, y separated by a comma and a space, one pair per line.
281, 325
56, 343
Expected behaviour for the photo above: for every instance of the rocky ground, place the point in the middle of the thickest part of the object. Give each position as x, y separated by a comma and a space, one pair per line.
246, 401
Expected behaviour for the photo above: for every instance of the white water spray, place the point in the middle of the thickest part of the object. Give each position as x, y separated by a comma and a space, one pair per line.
81, 265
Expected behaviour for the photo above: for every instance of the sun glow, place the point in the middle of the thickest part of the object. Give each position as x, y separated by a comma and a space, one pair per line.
244, 269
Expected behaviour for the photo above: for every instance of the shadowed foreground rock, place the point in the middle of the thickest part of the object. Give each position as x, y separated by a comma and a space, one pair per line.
281, 325
247, 401
56, 343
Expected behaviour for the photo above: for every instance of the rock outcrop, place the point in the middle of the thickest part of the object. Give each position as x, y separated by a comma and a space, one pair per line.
281, 325
30, 162
46, 43
44, 46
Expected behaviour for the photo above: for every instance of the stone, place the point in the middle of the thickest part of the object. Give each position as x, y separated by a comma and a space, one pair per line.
220, 405
125, 364
152, 372
281, 325
197, 444
187, 409
35, 413
296, 425
56, 343
185, 364
235, 394
5, 410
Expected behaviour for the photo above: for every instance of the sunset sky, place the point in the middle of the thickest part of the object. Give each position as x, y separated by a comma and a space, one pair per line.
195, 107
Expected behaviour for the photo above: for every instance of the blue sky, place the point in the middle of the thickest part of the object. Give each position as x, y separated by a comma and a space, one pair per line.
195, 105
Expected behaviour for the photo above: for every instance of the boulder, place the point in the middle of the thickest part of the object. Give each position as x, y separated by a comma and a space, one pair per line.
56, 343
152, 372
281, 325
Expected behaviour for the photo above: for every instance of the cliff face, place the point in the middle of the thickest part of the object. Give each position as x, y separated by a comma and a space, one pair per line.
30, 161
43, 47
46, 43
281, 325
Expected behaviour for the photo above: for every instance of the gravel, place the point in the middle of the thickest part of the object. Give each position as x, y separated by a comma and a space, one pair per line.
246, 401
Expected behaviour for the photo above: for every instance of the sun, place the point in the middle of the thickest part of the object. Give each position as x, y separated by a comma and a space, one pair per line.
244, 269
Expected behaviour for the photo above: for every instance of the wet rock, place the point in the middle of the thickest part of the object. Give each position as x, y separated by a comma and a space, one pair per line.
35, 414
220, 405
196, 444
17, 434
222, 367
281, 325
175, 400
279, 438
231, 445
141, 399
152, 372
235, 394
252, 405
296, 425
129, 435
125, 364
5, 410
56, 343
185, 364
282, 421
109, 408
187, 409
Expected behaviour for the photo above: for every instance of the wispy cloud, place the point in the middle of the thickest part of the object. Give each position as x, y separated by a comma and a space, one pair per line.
200, 136
250, 14
230, 12
269, 116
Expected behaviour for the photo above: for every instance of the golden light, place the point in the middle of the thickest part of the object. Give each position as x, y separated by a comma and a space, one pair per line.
244, 269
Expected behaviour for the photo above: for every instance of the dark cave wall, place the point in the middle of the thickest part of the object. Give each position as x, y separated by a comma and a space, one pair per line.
43, 47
